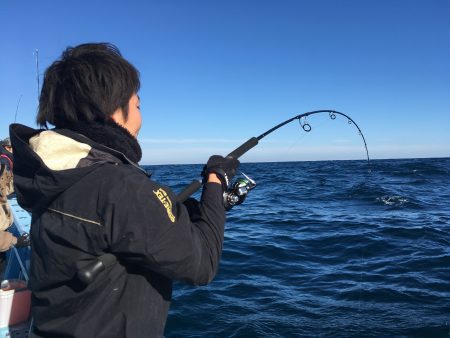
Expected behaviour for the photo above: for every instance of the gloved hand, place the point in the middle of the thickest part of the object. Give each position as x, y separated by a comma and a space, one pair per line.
23, 240
223, 167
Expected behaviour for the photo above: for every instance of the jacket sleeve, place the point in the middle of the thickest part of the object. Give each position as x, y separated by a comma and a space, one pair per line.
150, 229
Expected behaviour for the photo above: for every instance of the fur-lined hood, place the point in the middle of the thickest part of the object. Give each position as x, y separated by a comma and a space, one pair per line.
47, 162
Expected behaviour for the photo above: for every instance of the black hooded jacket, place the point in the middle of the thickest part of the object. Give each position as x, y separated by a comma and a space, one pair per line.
86, 200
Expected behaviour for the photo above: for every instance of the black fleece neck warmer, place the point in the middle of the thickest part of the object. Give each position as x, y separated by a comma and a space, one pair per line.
111, 135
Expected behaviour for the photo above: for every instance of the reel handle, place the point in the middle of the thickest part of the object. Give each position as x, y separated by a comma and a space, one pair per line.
236, 153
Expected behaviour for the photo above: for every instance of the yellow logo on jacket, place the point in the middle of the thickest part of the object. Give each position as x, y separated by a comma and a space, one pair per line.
166, 202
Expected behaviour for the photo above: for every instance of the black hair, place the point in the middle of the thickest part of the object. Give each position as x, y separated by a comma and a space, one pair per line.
87, 84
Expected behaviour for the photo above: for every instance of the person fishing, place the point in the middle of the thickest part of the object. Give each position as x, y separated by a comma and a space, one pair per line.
7, 239
90, 199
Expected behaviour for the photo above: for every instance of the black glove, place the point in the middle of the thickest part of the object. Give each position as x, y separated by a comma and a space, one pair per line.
223, 167
23, 241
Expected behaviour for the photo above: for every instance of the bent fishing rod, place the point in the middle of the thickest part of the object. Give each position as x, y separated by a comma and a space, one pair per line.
252, 142
235, 194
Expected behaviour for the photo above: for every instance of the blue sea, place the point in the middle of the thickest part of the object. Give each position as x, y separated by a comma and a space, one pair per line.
327, 249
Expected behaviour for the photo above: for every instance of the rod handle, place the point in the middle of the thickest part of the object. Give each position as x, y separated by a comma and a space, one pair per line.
189, 190
90, 272
243, 148
236, 153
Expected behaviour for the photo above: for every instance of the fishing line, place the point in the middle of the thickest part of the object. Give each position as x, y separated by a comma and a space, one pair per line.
302, 124
303, 135
296, 141
17, 108
252, 142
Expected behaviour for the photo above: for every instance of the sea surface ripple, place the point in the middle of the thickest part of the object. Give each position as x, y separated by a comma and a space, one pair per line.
327, 249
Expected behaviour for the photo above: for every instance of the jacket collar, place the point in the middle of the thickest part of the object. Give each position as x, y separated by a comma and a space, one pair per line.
112, 135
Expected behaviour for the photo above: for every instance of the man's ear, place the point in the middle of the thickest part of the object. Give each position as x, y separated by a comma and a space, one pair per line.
119, 116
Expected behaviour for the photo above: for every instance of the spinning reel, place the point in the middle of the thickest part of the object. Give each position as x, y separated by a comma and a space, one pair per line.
237, 192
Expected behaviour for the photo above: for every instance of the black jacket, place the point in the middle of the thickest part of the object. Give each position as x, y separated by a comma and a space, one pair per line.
86, 200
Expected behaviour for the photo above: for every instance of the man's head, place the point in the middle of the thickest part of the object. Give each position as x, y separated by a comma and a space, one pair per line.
6, 144
89, 83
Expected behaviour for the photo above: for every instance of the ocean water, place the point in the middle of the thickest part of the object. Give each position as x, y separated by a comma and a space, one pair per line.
327, 249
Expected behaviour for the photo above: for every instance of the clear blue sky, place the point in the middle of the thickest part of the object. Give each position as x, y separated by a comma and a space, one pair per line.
215, 73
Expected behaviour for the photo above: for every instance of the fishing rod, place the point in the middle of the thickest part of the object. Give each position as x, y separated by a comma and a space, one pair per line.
36, 53
17, 108
252, 142
233, 196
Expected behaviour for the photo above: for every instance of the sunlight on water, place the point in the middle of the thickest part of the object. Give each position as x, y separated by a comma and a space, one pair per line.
392, 200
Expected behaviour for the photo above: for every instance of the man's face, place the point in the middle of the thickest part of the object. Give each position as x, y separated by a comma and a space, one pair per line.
8, 148
134, 121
